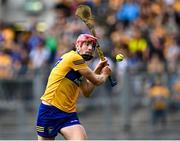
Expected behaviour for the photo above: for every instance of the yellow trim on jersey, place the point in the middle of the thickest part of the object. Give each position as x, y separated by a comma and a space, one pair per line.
39, 129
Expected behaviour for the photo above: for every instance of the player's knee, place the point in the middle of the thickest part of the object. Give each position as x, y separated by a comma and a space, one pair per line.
80, 136
76, 132
82, 133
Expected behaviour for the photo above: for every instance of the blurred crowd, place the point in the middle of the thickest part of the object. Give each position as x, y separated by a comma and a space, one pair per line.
146, 32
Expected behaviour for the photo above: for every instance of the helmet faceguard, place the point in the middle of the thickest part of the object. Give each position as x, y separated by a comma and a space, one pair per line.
86, 38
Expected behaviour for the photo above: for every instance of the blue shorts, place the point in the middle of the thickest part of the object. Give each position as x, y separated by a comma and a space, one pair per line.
51, 119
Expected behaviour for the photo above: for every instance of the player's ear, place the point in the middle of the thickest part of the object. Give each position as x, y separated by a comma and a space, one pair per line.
73, 47
77, 48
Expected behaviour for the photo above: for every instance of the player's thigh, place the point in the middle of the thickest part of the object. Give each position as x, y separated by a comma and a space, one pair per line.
43, 138
74, 132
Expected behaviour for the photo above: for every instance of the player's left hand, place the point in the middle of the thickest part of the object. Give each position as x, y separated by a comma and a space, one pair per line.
103, 63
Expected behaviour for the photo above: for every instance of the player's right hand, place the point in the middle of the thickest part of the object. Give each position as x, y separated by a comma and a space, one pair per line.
100, 66
106, 70
103, 63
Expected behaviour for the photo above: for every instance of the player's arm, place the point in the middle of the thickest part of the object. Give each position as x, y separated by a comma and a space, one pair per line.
100, 66
92, 79
87, 87
96, 79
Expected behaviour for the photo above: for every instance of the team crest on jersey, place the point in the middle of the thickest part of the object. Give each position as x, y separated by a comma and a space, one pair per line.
78, 62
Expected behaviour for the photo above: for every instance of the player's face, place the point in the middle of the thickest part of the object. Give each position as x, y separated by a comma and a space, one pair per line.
87, 48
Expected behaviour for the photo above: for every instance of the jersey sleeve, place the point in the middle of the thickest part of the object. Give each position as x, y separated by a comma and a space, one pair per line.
77, 62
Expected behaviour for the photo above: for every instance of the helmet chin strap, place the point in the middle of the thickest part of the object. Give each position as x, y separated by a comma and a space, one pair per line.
87, 57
